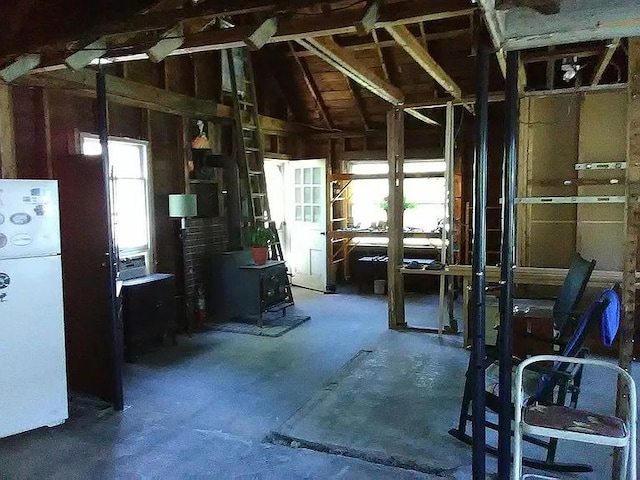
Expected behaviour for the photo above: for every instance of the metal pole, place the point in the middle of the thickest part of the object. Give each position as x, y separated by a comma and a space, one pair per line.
111, 254
479, 261
507, 262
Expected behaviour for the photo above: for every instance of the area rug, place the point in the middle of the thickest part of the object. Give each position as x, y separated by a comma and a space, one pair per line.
271, 326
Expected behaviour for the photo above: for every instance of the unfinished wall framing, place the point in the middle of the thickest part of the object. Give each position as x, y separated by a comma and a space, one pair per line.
559, 135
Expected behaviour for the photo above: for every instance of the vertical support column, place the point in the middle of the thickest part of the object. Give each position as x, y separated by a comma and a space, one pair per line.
632, 229
479, 261
446, 252
112, 253
395, 249
8, 164
507, 262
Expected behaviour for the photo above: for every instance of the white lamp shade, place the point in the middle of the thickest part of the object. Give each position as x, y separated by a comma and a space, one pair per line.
183, 205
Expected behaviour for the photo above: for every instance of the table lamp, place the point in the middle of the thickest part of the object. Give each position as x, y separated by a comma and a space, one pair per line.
183, 206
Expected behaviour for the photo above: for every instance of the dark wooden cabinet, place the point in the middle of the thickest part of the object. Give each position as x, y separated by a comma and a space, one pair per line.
149, 312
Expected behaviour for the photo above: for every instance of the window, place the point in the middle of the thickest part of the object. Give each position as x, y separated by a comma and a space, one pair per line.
308, 194
130, 183
424, 198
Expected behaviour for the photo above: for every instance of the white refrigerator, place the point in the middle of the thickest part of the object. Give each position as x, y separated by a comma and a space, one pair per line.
33, 380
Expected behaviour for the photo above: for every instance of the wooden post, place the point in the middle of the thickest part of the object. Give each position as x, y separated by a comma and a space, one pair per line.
632, 220
395, 250
8, 165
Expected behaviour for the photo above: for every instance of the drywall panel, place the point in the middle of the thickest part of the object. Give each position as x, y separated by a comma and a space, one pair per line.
603, 138
552, 244
550, 128
603, 127
602, 242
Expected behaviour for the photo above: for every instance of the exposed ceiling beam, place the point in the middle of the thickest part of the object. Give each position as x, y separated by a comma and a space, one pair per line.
170, 40
412, 46
428, 37
313, 89
345, 62
145, 96
560, 53
442, 102
86, 55
421, 116
294, 29
20, 66
262, 34
369, 19
604, 61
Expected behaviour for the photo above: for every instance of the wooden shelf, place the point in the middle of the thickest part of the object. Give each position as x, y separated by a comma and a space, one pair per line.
375, 233
380, 176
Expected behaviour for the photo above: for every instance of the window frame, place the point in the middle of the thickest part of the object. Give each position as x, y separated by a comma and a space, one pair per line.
408, 242
143, 146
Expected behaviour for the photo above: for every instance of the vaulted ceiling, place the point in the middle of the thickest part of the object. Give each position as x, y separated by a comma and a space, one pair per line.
338, 65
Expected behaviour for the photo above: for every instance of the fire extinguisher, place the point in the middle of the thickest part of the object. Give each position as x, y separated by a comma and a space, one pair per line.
201, 307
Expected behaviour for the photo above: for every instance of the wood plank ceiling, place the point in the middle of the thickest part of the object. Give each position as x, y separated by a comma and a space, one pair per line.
337, 64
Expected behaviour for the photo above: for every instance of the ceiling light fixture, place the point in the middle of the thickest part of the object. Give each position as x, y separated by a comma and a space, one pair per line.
570, 68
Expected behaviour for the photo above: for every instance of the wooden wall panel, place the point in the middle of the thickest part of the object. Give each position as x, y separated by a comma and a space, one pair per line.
167, 171
179, 75
30, 142
144, 71
207, 75
128, 122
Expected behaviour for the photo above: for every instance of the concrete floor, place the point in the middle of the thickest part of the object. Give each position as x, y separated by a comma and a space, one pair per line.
205, 407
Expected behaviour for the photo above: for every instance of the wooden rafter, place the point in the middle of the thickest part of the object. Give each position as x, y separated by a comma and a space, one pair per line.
412, 46
560, 53
291, 29
429, 37
345, 62
604, 61
383, 62
313, 89
357, 98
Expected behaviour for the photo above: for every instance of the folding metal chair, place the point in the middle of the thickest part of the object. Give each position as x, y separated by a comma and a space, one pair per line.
561, 422
551, 385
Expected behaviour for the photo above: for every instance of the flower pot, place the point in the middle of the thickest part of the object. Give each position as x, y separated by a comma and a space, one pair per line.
259, 255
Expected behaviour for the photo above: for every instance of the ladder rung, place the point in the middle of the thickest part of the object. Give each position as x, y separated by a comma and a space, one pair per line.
262, 218
256, 172
251, 149
258, 195
245, 103
249, 127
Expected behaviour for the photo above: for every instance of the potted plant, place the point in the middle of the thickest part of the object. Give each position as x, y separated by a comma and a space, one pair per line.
259, 240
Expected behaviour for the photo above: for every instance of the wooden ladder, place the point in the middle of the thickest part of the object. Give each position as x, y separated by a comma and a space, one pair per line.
253, 184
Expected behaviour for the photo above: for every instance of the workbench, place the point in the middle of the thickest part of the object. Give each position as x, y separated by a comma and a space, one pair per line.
523, 276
